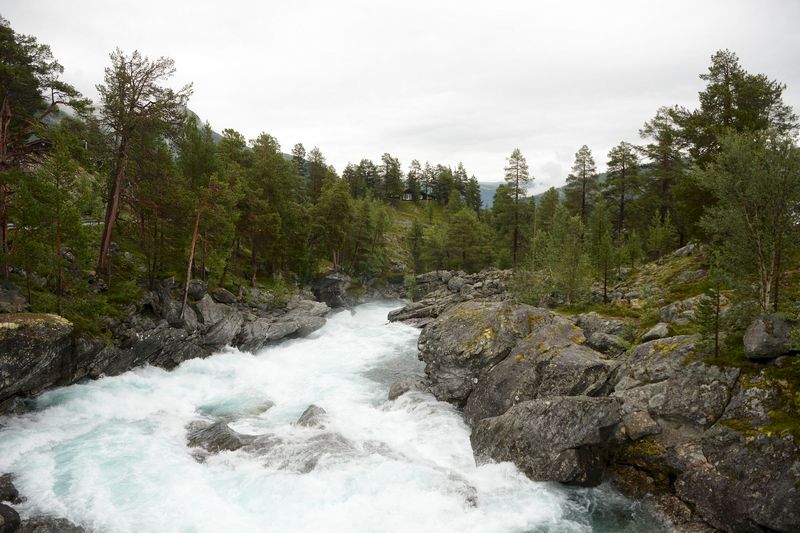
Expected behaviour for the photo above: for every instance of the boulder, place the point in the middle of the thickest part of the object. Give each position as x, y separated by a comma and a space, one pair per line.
683, 311
592, 323
606, 343
401, 387
466, 341
216, 437
35, 353
639, 424
8, 492
44, 524
223, 296
767, 337
559, 438
659, 331
332, 289
209, 312
9, 519
224, 331
12, 301
748, 476
664, 379
539, 366
197, 289
312, 416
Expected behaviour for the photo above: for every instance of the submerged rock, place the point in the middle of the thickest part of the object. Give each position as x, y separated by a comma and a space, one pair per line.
312, 416
49, 525
216, 437
559, 438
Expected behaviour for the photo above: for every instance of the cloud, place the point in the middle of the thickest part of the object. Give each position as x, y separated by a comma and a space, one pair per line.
444, 81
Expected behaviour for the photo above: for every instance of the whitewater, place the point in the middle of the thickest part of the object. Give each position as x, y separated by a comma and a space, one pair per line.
111, 455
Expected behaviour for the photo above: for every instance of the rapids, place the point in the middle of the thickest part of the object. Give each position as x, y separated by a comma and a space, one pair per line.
112, 454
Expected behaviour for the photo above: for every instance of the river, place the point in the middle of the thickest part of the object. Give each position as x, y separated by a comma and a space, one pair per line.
112, 455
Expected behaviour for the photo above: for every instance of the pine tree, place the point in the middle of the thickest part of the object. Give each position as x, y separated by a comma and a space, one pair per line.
581, 183
133, 99
30, 92
517, 178
622, 181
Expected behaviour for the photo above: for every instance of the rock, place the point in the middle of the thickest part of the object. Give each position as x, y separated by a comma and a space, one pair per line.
663, 379
9, 519
8, 492
12, 301
223, 296
197, 289
35, 353
748, 477
312, 416
467, 340
560, 438
209, 312
401, 387
216, 437
606, 343
659, 331
767, 337
592, 323
639, 424
455, 283
540, 365
255, 334
224, 331
688, 250
49, 525
683, 312
332, 289
308, 325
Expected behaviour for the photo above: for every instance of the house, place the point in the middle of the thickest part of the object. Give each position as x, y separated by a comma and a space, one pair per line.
407, 195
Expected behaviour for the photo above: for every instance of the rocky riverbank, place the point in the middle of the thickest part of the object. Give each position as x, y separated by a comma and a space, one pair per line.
583, 399
38, 351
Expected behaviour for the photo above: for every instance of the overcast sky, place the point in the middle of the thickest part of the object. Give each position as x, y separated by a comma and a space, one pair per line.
444, 81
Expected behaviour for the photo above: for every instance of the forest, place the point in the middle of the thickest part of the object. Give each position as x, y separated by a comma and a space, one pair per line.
99, 200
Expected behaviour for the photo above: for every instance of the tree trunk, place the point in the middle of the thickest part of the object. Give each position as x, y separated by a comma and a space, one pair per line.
191, 259
253, 264
112, 207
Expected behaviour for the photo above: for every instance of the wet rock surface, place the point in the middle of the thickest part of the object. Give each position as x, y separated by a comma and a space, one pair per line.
40, 351
577, 401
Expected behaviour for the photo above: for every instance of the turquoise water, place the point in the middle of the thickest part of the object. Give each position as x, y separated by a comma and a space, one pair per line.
111, 454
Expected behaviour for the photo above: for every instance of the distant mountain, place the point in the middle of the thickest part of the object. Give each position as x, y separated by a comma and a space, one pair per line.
487, 193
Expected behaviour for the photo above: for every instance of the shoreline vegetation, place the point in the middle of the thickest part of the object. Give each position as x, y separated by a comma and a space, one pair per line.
655, 304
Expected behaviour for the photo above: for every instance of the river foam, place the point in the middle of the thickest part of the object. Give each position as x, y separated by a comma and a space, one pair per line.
112, 455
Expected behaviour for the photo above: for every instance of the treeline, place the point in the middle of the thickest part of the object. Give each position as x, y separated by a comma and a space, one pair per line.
726, 174
98, 201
